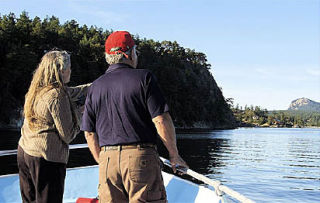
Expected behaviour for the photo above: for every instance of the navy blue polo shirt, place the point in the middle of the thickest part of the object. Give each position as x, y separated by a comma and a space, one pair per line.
120, 106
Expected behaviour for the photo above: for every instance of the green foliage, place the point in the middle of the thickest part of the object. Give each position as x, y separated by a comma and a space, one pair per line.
255, 116
183, 74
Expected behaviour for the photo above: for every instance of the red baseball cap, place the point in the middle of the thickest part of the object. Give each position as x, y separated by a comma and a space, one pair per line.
119, 42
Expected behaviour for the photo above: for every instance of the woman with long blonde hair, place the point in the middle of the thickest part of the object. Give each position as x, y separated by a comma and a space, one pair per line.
52, 119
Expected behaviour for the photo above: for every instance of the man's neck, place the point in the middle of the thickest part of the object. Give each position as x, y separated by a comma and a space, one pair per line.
128, 62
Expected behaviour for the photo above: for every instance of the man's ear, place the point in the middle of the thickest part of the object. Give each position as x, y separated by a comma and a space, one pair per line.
131, 54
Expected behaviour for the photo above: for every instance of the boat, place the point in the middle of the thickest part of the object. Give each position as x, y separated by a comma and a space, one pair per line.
82, 182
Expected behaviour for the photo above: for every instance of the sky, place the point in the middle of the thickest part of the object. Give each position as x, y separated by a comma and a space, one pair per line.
263, 52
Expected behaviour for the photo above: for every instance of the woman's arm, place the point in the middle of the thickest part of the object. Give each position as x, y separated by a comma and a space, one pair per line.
77, 96
78, 93
64, 118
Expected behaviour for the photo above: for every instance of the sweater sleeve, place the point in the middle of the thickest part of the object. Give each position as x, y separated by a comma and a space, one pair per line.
78, 93
60, 109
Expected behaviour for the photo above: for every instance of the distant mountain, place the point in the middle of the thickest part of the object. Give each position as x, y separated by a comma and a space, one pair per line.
304, 104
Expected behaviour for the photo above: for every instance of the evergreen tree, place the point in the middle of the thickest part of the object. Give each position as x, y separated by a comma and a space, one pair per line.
183, 74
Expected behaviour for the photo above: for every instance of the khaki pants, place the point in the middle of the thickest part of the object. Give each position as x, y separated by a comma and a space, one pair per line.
130, 175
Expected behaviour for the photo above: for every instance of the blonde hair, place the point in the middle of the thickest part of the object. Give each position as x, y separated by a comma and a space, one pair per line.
47, 76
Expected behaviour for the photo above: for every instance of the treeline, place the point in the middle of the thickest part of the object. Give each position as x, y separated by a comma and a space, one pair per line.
194, 98
256, 116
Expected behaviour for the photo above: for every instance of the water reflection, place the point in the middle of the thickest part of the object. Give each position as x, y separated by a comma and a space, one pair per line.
267, 165
203, 155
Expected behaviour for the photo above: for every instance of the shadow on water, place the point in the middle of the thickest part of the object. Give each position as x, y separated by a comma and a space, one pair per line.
202, 152
266, 165
9, 140
195, 149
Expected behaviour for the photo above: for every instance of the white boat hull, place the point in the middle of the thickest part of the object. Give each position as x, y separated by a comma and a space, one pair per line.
83, 182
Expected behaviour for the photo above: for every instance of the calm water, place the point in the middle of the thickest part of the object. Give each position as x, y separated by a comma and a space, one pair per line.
266, 165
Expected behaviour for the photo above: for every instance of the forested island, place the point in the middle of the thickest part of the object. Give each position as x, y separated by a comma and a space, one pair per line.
259, 117
194, 98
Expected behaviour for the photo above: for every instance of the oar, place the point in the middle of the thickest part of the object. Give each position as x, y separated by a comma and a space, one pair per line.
219, 188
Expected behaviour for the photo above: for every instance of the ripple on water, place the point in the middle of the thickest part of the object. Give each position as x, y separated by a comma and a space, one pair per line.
267, 165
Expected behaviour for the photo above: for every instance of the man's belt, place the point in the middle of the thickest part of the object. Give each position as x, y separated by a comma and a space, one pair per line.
132, 146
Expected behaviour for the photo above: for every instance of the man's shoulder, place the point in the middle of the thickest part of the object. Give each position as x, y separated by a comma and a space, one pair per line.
99, 80
142, 72
133, 73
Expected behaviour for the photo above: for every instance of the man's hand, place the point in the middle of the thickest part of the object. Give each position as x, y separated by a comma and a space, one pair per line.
166, 131
178, 163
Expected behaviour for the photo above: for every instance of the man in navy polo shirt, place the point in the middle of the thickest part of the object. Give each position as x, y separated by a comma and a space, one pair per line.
124, 113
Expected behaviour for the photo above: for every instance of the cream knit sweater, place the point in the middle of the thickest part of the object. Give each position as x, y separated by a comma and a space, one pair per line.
52, 137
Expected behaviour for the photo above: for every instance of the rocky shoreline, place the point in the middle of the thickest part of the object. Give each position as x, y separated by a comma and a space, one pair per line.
187, 130
255, 125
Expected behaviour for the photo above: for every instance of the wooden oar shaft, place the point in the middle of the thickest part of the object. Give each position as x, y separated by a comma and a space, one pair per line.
220, 189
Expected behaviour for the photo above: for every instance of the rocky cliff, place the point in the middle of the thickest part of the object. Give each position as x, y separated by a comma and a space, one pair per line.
304, 104
194, 98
